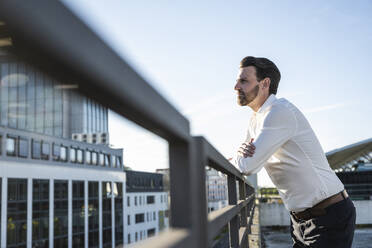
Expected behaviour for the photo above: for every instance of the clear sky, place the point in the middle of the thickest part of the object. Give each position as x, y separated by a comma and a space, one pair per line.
190, 52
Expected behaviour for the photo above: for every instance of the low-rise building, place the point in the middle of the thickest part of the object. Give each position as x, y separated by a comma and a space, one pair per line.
216, 189
146, 206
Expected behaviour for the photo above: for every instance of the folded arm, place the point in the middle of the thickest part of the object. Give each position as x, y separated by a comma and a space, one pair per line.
278, 127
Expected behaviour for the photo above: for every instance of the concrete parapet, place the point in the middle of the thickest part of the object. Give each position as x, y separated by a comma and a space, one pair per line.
255, 229
254, 237
254, 240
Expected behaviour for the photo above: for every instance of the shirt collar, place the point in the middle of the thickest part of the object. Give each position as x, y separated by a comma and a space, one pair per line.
269, 101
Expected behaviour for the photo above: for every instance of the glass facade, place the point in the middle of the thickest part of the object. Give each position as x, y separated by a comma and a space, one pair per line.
118, 187
30, 100
40, 213
78, 214
60, 213
106, 214
93, 210
96, 117
17, 213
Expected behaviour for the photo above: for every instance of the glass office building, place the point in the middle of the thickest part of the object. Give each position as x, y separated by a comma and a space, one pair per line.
55, 191
30, 100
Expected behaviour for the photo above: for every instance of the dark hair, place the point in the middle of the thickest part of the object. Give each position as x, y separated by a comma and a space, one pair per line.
264, 68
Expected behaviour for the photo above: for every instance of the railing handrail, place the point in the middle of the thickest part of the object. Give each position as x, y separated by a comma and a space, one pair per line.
217, 161
50, 36
60, 36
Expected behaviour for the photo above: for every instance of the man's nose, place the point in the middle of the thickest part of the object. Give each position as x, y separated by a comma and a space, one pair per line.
237, 86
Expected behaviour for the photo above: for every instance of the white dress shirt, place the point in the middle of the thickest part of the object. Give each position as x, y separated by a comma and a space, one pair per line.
287, 147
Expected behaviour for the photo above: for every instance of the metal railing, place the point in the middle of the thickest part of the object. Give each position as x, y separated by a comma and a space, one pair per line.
49, 36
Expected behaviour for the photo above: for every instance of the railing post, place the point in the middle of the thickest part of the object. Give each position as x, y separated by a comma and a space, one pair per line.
247, 194
198, 191
243, 211
180, 190
233, 224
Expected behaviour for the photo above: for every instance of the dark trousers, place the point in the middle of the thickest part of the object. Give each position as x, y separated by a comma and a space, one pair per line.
335, 229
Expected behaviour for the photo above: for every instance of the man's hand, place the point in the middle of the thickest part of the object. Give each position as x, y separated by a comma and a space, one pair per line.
247, 150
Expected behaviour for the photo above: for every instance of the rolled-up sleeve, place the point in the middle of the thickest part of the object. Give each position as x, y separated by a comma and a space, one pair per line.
278, 127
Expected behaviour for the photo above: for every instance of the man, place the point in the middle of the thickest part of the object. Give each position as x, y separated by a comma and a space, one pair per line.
281, 140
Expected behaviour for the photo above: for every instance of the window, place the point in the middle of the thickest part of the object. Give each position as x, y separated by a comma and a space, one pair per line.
113, 161
118, 162
88, 156
60, 213
93, 210
79, 156
45, 150
56, 152
106, 214
40, 212
128, 217
36, 149
152, 183
140, 218
162, 220
154, 216
1, 144
16, 213
78, 214
128, 201
140, 200
119, 230
63, 153
101, 159
135, 200
94, 158
73, 155
11, 146
107, 160
136, 236
23, 147
150, 199
150, 232
128, 238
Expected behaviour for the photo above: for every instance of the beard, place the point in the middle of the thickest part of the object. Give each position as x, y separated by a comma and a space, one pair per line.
245, 98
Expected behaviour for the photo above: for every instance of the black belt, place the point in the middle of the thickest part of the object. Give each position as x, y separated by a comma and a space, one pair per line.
319, 209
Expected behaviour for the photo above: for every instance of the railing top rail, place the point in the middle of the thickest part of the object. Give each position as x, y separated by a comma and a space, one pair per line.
219, 162
219, 218
73, 53
174, 237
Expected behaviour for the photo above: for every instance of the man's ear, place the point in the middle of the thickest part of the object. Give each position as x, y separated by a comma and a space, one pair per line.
266, 82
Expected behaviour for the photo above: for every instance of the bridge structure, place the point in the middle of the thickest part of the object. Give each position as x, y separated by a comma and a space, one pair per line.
52, 38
